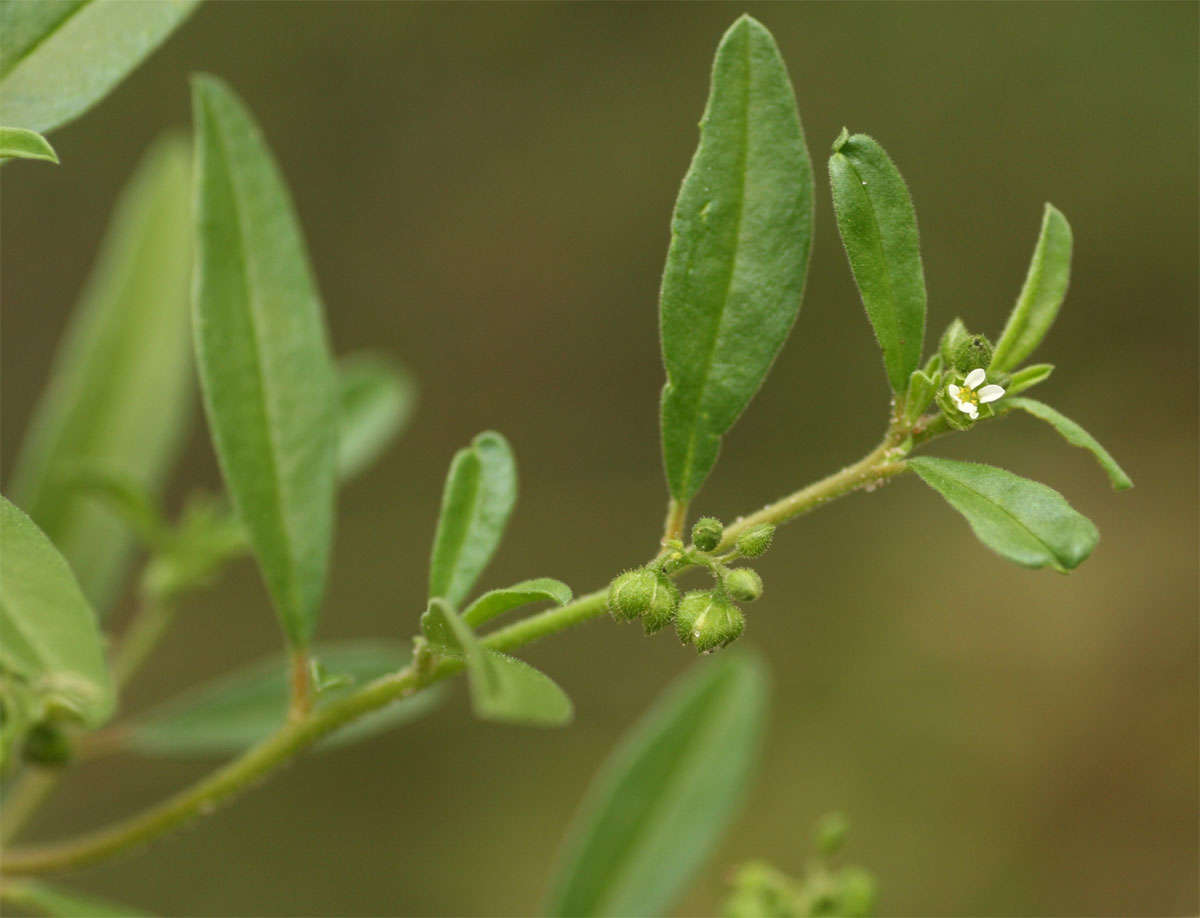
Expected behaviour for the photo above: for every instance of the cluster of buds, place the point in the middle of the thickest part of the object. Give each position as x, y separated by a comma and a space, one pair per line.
706, 619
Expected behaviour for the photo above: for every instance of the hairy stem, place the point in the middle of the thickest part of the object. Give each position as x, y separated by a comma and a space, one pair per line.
296, 735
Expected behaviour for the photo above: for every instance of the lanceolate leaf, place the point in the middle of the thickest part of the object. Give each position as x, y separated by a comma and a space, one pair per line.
17, 143
1076, 436
239, 709
1043, 293
376, 399
58, 59
1020, 519
662, 799
120, 396
740, 240
56, 902
481, 489
502, 688
49, 638
878, 225
268, 379
1028, 377
497, 602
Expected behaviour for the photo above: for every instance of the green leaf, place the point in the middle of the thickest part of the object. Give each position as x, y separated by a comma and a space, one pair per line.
1020, 519
1028, 377
480, 491
57, 60
497, 602
18, 143
376, 398
120, 395
267, 374
1076, 436
241, 708
56, 902
122, 494
740, 240
1043, 293
502, 688
49, 637
661, 801
878, 226
921, 389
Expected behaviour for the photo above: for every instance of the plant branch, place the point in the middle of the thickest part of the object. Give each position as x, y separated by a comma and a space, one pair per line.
296, 735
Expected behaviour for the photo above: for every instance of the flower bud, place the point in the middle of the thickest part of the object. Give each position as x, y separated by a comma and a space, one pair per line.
707, 533
691, 607
663, 603
743, 584
46, 745
718, 625
630, 594
971, 352
756, 540
954, 335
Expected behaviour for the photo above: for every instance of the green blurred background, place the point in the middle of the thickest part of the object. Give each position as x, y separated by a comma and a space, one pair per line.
486, 191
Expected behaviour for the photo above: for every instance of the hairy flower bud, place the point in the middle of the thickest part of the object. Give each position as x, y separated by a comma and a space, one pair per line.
721, 623
756, 540
630, 594
971, 352
707, 533
691, 607
663, 603
743, 584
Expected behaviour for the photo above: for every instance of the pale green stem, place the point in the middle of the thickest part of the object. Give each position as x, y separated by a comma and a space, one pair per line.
150, 622
295, 736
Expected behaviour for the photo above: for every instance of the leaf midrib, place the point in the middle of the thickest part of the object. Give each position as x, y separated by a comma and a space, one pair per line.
58, 26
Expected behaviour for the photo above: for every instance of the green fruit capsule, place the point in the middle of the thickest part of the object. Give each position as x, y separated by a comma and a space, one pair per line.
756, 540
707, 533
743, 584
973, 351
663, 603
691, 607
47, 745
720, 624
630, 594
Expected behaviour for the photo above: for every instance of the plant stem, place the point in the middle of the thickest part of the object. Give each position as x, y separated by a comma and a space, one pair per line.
300, 704
296, 735
149, 623
676, 520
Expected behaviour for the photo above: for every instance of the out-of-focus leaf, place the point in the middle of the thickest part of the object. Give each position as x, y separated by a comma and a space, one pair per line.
878, 225
49, 638
239, 709
740, 239
56, 902
57, 60
376, 398
662, 799
502, 688
269, 386
1076, 436
497, 602
481, 488
18, 143
1028, 377
120, 395
1044, 291
1020, 519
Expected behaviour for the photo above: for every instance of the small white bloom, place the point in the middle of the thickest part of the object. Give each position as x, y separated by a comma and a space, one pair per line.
969, 396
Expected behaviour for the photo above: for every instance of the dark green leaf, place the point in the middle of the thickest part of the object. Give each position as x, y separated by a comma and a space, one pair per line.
376, 401
1076, 436
502, 688
740, 240
662, 799
241, 708
1043, 293
878, 225
480, 491
1028, 377
128, 345
268, 379
1020, 519
57, 60
56, 902
497, 602
18, 143
49, 638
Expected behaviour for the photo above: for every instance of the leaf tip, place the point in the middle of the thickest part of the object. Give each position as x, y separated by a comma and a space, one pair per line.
841, 139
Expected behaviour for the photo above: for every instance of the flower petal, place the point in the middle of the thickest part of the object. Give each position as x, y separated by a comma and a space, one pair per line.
969, 410
975, 377
954, 391
990, 393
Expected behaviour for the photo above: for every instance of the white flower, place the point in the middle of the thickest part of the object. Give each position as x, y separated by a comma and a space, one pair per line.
967, 400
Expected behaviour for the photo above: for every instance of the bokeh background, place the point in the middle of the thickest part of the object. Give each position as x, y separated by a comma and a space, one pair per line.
486, 191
